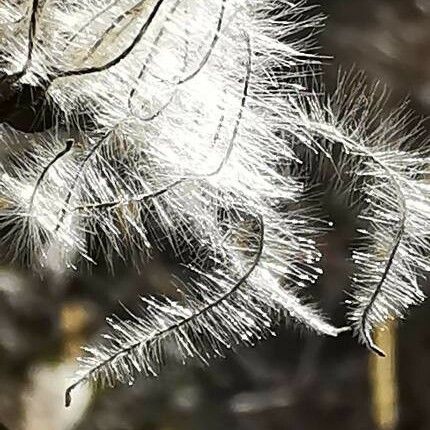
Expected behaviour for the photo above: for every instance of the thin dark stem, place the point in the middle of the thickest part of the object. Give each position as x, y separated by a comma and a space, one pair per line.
208, 54
113, 26
32, 33
397, 241
120, 57
165, 332
93, 18
145, 65
69, 145
77, 176
158, 112
138, 198
211, 47
30, 45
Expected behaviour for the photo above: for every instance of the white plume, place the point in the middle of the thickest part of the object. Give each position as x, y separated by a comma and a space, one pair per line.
196, 110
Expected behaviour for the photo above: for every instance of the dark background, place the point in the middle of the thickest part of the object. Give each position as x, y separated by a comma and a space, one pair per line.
296, 381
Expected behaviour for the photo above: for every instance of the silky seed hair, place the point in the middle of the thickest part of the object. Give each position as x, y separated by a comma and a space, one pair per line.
194, 114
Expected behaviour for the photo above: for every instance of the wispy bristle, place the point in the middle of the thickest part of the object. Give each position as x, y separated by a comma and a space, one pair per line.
193, 114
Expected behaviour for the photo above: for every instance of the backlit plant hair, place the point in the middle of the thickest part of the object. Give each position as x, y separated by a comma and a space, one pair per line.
195, 114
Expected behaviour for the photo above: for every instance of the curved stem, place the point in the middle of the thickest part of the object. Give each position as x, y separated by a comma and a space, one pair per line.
78, 175
145, 65
69, 144
120, 57
30, 44
208, 54
31, 33
92, 19
397, 241
165, 332
116, 22
211, 48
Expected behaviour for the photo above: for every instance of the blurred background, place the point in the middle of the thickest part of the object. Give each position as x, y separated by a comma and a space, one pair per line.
295, 381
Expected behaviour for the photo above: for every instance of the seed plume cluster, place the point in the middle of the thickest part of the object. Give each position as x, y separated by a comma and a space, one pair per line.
181, 125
